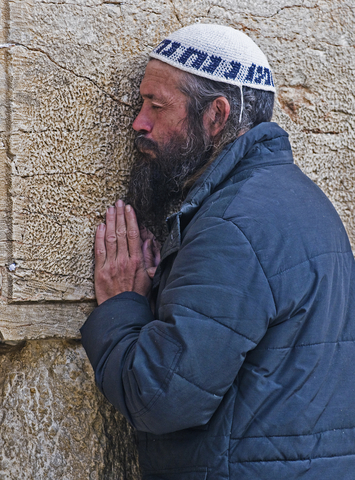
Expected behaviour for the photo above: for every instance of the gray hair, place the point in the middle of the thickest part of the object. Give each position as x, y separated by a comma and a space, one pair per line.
201, 92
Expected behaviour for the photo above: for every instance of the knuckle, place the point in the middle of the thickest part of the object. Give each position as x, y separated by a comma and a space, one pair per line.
133, 234
101, 278
121, 232
111, 238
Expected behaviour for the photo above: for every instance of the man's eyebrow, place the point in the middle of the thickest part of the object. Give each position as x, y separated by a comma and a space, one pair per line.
150, 96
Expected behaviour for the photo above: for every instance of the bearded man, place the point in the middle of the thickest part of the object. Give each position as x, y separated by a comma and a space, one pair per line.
237, 360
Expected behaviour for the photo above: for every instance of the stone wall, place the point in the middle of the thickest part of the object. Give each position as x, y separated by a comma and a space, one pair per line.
69, 74
55, 424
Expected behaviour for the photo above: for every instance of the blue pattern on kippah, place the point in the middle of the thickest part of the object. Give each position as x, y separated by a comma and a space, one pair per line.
236, 66
173, 47
197, 62
250, 76
212, 65
202, 61
263, 76
162, 45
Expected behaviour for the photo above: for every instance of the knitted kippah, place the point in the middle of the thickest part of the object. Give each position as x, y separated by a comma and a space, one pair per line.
217, 52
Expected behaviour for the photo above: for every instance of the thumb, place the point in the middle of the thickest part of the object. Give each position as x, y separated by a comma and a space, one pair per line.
148, 254
151, 271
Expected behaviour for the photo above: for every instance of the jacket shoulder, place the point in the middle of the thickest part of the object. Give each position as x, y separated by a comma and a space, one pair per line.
285, 216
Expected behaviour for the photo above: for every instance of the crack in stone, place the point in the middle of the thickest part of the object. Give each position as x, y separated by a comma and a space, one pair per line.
98, 5
113, 97
344, 112
72, 4
6, 288
50, 216
287, 7
318, 131
62, 173
175, 13
321, 42
41, 270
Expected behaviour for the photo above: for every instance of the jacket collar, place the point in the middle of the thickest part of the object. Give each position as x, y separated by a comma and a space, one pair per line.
264, 144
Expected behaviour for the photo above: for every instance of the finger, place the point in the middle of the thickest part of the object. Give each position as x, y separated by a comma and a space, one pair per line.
133, 236
110, 238
151, 271
146, 234
156, 251
148, 254
100, 250
121, 230
143, 233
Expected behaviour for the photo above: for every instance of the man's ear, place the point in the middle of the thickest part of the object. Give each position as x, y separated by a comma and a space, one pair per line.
215, 118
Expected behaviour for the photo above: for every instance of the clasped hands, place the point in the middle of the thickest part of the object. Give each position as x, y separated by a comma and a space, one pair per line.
125, 256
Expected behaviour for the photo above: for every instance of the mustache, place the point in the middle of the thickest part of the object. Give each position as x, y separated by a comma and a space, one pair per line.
142, 143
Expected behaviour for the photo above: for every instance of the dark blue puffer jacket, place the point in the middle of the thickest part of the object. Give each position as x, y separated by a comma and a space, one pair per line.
248, 370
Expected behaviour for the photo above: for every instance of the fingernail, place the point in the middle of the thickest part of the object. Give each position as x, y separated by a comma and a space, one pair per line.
119, 203
128, 208
111, 209
101, 226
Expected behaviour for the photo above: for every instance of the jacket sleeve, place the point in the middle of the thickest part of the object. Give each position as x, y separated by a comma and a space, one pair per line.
171, 373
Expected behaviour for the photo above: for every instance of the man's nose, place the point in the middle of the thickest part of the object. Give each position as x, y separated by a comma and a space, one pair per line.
142, 122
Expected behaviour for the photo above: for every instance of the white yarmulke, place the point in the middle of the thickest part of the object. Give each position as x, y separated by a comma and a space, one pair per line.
220, 53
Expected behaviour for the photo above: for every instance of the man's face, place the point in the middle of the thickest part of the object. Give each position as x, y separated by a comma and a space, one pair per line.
163, 114
171, 147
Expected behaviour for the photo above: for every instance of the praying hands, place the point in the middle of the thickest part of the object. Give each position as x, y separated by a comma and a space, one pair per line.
125, 256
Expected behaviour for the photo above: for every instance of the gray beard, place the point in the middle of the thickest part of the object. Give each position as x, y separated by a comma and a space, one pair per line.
157, 180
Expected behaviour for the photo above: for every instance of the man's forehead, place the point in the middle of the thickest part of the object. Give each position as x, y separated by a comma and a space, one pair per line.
159, 73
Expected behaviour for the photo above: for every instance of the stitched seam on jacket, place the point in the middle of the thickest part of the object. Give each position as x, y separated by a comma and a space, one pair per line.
230, 436
191, 469
265, 165
163, 439
256, 256
166, 380
309, 259
296, 435
140, 302
227, 151
214, 319
116, 298
306, 345
283, 460
198, 386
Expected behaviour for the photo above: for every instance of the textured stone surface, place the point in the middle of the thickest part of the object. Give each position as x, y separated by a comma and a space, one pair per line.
68, 95
69, 76
55, 425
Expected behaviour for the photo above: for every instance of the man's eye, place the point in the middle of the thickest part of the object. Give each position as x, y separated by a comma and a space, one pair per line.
156, 107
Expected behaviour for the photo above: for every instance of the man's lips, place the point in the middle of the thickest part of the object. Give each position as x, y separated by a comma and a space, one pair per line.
146, 146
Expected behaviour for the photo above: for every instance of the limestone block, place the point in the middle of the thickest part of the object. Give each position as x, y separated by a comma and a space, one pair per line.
54, 422
70, 73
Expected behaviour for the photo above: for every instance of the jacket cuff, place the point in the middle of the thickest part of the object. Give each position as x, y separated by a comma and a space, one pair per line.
113, 320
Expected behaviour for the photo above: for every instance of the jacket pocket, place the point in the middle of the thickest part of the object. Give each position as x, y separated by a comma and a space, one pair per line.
178, 474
